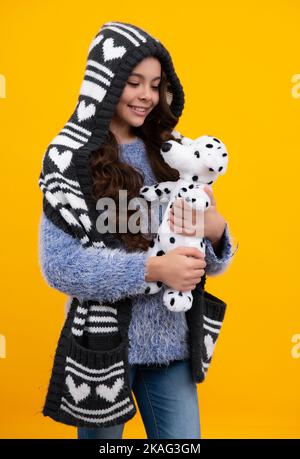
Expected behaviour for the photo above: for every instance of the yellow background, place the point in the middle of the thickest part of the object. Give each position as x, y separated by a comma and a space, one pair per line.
236, 61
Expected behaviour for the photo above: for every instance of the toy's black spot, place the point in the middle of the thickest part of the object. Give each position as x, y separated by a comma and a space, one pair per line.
218, 148
184, 189
211, 169
189, 298
147, 290
197, 154
216, 140
195, 178
159, 283
224, 154
145, 189
171, 206
209, 145
220, 168
158, 238
158, 192
180, 293
172, 240
179, 195
155, 186
206, 204
209, 183
166, 190
170, 293
152, 243
106, 221
193, 199
201, 243
160, 253
172, 301
191, 186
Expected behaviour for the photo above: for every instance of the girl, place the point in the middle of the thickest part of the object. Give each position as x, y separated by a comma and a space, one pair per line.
144, 115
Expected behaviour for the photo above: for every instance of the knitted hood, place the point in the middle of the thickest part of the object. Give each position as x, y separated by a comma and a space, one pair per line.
65, 178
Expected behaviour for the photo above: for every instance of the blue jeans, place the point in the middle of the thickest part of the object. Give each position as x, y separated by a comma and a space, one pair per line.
167, 399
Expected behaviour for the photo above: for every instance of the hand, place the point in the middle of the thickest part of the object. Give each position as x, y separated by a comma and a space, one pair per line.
180, 268
184, 218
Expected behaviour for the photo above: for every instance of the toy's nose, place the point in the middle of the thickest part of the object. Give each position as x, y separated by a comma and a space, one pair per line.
212, 170
166, 147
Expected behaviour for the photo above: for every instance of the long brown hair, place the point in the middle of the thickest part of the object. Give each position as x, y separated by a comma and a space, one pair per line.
110, 174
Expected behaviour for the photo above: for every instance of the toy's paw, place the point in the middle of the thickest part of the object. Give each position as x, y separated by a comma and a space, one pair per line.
177, 301
148, 193
153, 287
151, 193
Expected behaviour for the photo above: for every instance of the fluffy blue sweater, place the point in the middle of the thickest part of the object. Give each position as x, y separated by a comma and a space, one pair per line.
156, 335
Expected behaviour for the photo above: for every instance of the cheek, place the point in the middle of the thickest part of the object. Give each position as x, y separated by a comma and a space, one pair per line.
127, 95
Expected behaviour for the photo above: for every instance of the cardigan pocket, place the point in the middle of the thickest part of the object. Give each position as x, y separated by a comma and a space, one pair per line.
213, 316
90, 387
205, 320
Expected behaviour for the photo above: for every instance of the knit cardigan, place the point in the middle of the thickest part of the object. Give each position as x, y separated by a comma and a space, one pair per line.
89, 384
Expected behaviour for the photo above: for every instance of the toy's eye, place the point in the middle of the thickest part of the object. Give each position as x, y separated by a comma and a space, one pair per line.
197, 154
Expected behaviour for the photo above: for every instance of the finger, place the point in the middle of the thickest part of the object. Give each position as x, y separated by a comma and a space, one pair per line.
193, 275
187, 232
175, 228
186, 223
197, 265
195, 280
199, 272
192, 252
188, 287
181, 205
210, 193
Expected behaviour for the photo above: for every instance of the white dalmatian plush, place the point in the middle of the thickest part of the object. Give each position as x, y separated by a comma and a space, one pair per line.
199, 162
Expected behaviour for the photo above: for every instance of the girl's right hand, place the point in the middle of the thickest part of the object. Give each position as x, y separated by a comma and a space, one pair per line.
180, 268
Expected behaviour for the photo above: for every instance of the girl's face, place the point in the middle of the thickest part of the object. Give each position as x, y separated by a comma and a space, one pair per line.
141, 90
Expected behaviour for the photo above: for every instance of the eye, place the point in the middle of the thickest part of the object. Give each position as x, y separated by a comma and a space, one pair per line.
136, 84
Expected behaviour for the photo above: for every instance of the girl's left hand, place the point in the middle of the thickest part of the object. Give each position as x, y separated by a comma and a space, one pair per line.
183, 219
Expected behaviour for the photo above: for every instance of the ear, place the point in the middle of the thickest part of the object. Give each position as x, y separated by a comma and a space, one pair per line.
176, 134
184, 140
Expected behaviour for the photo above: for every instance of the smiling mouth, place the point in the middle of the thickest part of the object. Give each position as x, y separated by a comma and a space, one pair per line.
138, 111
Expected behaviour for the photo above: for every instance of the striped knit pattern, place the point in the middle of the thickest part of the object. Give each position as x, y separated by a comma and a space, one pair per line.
89, 387
89, 384
65, 179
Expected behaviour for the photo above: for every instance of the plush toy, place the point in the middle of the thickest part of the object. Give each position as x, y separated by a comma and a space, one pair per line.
199, 162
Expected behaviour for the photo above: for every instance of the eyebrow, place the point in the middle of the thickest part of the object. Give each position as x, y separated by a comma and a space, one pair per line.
142, 76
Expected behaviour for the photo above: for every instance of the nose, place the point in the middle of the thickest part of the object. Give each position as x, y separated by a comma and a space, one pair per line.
212, 170
146, 93
166, 147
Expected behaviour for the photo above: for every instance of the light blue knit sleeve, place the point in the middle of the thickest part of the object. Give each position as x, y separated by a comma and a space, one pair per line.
217, 263
88, 273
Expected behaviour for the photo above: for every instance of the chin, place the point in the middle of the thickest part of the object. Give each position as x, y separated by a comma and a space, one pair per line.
135, 122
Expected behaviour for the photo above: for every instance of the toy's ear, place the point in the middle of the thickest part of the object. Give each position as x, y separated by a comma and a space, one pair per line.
176, 134
184, 140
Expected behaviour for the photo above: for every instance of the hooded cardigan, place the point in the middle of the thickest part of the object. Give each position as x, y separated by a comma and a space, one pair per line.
89, 384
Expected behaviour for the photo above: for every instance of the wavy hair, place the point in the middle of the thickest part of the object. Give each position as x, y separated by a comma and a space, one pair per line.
110, 174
